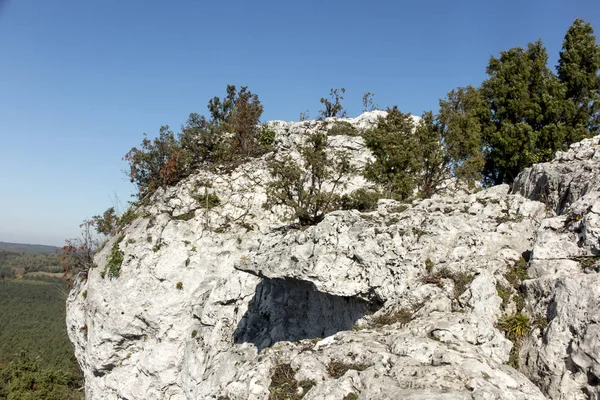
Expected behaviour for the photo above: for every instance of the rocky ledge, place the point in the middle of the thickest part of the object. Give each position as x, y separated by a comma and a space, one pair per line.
487, 295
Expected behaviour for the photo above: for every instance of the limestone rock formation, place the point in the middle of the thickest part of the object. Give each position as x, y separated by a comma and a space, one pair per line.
404, 302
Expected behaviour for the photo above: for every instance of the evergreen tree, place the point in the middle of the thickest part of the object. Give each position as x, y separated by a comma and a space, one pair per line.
525, 101
578, 69
396, 150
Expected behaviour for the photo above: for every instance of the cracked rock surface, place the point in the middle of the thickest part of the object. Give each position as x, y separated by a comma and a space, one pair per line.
399, 303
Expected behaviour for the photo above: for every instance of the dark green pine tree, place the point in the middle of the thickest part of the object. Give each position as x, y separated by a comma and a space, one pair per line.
578, 69
525, 101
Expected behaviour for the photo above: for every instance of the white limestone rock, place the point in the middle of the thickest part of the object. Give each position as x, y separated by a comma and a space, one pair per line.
209, 300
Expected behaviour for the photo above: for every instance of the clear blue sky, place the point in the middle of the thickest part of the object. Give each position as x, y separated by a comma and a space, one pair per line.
81, 81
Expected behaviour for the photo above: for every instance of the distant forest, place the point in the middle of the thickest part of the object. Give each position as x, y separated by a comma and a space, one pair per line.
27, 248
17, 264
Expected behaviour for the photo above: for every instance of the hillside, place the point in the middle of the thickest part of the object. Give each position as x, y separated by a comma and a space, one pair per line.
466, 295
27, 248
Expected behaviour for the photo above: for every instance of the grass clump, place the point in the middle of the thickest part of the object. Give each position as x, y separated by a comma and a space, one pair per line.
337, 369
402, 316
207, 200
284, 385
515, 326
187, 216
461, 280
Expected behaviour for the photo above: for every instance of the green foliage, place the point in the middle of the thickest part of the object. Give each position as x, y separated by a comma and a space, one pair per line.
115, 259
460, 121
207, 200
106, 223
127, 217
32, 318
231, 134
430, 155
515, 326
159, 162
179, 286
504, 293
342, 128
394, 147
337, 369
266, 137
186, 216
578, 69
361, 199
517, 273
284, 385
27, 262
525, 100
310, 189
524, 112
24, 379
351, 396
429, 266
333, 107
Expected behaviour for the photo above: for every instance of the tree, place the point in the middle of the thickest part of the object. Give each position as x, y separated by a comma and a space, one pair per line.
394, 146
334, 107
578, 68
77, 255
367, 102
310, 188
238, 113
107, 223
203, 141
431, 155
232, 133
160, 162
461, 120
524, 99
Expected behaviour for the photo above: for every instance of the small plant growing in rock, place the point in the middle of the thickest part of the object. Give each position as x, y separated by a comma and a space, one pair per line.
186, 216
179, 285
207, 200
515, 326
429, 265
351, 396
115, 259
84, 294
337, 369
402, 316
284, 385
266, 137
504, 293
